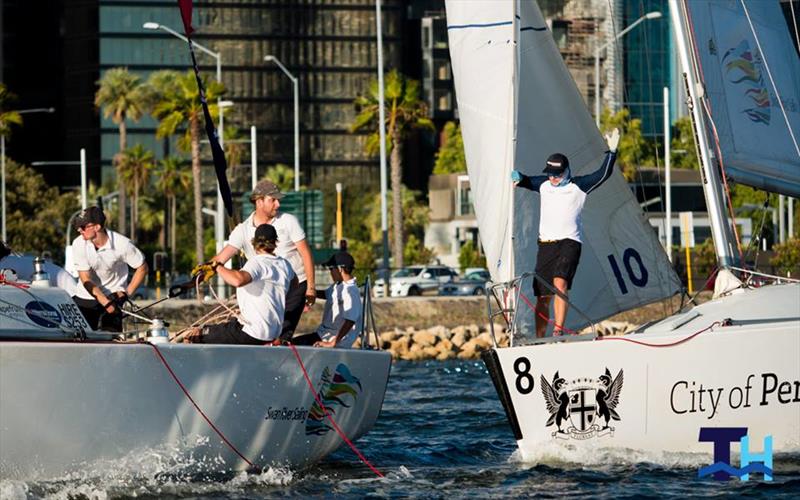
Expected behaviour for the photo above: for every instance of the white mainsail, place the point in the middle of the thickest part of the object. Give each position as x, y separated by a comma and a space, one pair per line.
622, 264
751, 75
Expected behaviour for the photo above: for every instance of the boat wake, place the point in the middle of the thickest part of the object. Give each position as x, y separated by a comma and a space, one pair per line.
169, 470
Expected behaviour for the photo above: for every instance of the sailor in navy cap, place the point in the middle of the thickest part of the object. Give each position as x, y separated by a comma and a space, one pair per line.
561, 198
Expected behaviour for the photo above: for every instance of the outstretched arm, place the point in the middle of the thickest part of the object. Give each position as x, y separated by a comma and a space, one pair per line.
590, 182
528, 182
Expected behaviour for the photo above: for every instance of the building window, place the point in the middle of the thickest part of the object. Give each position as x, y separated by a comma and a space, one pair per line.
444, 100
442, 69
464, 193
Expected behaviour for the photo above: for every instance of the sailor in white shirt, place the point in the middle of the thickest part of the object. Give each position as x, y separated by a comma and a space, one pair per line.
102, 258
292, 246
341, 319
261, 287
562, 198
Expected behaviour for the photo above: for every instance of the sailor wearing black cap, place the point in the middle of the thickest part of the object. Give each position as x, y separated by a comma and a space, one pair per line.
562, 198
261, 287
102, 258
341, 318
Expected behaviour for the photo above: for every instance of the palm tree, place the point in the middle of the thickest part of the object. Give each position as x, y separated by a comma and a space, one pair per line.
404, 110
177, 105
121, 95
173, 180
7, 118
134, 168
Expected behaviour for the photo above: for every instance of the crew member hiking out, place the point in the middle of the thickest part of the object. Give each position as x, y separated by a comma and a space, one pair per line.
561, 201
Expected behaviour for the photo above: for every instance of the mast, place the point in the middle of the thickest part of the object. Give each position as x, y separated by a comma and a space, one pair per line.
712, 184
515, 20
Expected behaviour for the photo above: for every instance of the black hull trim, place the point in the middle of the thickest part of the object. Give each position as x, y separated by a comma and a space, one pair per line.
492, 363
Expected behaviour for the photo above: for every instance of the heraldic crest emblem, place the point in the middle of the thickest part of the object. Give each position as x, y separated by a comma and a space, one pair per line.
582, 408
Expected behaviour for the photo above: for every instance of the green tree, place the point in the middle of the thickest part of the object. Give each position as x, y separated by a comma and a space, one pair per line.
134, 168
415, 251
683, 152
34, 226
450, 159
176, 105
282, 175
633, 149
121, 95
416, 216
173, 180
469, 256
403, 110
364, 254
787, 256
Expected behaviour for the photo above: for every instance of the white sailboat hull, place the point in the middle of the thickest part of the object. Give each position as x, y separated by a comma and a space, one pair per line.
746, 375
66, 405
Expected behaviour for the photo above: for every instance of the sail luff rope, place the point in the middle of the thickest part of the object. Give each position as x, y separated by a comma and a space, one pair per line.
772, 81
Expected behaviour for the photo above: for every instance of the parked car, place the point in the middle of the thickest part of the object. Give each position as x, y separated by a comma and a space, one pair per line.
473, 283
416, 280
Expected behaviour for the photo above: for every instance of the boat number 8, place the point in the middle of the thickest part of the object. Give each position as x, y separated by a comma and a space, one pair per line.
638, 276
524, 383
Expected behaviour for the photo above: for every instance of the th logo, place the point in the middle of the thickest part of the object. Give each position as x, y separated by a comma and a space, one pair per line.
722, 437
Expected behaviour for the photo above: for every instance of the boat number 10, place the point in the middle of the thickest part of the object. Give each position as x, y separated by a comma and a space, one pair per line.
634, 268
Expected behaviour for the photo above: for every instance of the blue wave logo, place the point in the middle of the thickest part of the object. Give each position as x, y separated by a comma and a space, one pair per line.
731, 471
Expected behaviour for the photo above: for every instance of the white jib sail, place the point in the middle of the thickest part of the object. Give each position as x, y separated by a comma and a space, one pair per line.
622, 263
751, 73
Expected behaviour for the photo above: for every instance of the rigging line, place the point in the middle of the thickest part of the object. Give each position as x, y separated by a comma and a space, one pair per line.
327, 413
669, 344
772, 80
759, 233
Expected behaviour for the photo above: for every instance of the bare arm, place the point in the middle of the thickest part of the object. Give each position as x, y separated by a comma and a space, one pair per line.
86, 280
234, 277
137, 279
308, 265
225, 254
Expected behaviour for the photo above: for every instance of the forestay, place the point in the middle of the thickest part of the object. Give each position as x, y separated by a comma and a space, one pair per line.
622, 264
750, 67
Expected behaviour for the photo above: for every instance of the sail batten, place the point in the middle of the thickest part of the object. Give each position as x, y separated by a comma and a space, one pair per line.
518, 104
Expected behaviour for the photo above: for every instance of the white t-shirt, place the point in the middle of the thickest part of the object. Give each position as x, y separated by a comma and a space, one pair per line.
22, 265
289, 233
561, 212
342, 301
262, 302
107, 265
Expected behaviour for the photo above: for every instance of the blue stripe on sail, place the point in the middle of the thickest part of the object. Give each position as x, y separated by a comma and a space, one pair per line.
493, 25
488, 25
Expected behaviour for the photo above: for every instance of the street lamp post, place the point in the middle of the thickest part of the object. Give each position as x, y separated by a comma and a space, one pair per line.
3, 164
81, 162
382, 132
219, 225
648, 16
296, 119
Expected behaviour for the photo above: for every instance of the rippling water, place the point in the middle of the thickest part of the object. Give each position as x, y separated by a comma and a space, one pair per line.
441, 434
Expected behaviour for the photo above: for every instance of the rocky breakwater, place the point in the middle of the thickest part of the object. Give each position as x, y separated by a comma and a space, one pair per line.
461, 342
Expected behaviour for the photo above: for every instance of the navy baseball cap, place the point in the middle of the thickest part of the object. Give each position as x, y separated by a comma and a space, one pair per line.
340, 259
556, 164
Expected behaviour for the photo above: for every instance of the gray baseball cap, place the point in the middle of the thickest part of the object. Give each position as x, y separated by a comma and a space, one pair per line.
267, 188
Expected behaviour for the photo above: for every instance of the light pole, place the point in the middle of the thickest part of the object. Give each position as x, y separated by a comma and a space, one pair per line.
81, 162
3, 164
296, 119
219, 224
382, 130
650, 15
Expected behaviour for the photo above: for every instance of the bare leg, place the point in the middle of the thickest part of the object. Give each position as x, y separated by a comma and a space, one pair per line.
560, 307
542, 315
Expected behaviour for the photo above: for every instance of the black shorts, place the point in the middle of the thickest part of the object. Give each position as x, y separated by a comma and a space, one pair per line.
558, 259
97, 316
228, 333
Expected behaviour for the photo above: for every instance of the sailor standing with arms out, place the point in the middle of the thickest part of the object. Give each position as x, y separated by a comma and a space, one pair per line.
561, 201
292, 246
102, 258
